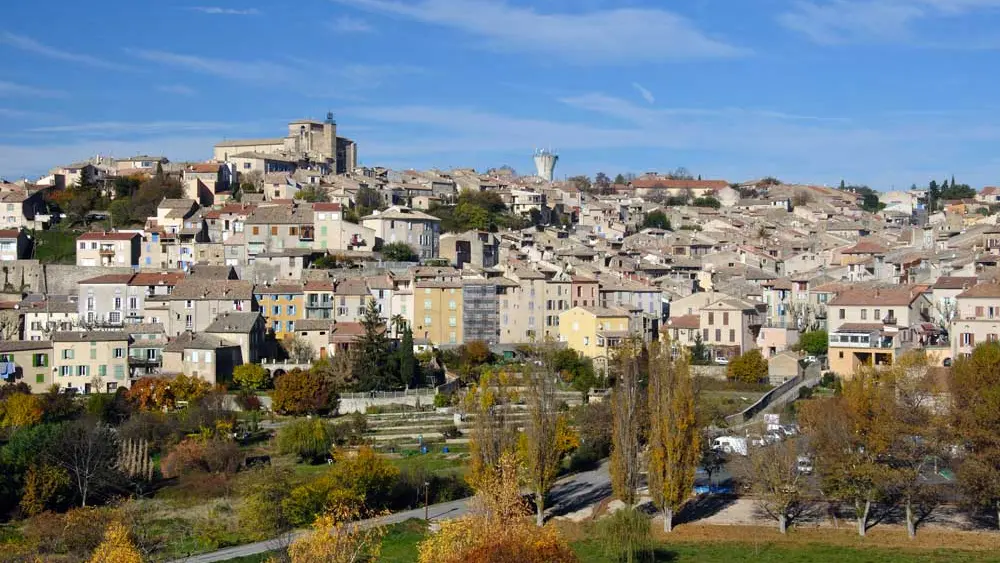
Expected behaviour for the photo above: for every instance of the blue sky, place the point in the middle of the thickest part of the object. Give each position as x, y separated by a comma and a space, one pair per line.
883, 92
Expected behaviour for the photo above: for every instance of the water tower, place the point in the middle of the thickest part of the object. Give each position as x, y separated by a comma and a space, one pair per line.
545, 163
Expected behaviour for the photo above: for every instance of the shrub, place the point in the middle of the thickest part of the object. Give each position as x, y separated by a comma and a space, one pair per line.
748, 368
195, 454
303, 392
264, 493
442, 400
451, 432
309, 440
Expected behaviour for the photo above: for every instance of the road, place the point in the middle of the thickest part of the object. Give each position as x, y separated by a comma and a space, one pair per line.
570, 493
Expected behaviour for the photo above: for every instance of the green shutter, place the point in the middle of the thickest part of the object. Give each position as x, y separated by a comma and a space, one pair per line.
40, 378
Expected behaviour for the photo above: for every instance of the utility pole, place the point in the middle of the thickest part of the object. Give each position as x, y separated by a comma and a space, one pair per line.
427, 488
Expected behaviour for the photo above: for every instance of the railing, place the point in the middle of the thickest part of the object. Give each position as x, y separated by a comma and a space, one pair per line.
889, 321
424, 392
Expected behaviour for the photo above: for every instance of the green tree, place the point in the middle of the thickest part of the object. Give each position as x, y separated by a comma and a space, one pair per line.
706, 202
314, 194
309, 439
699, 352
250, 376
814, 342
409, 368
751, 367
933, 196
120, 211
581, 183
656, 220
371, 353
399, 252
620, 179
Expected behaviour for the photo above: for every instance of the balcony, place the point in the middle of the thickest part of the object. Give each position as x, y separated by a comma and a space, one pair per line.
106, 251
865, 341
891, 321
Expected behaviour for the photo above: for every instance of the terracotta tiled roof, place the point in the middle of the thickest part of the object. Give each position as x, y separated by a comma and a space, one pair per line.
982, 290
9, 233
108, 278
898, 295
950, 282
157, 278
326, 207
865, 247
684, 321
107, 236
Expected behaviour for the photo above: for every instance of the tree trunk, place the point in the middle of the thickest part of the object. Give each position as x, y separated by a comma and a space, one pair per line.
911, 523
863, 516
668, 520
540, 509
782, 523
998, 514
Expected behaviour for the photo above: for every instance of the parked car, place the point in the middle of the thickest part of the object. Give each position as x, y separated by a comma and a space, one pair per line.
731, 445
810, 360
721, 361
805, 465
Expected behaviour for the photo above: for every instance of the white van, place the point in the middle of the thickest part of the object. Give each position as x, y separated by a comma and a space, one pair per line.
730, 445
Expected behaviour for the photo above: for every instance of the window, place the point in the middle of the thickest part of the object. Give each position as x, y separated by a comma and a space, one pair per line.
194, 356
276, 326
102, 370
878, 314
979, 312
276, 310
189, 304
66, 371
711, 319
732, 335
427, 321
864, 314
291, 309
586, 341
119, 372
256, 230
40, 360
133, 302
452, 321
718, 335
427, 303
274, 231
843, 314
67, 354
293, 231
452, 306
119, 352
968, 339
704, 334
451, 338
189, 322
114, 317
725, 319
82, 371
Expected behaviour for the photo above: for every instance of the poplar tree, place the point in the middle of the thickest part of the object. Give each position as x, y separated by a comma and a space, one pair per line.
673, 437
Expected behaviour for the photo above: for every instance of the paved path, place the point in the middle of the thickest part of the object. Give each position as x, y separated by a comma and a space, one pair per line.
570, 493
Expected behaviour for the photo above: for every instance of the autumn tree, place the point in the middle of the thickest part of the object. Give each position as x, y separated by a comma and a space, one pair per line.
498, 530
338, 537
20, 410
852, 435
250, 377
117, 547
300, 392
493, 434
298, 349
399, 252
975, 392
751, 367
541, 448
626, 401
773, 473
45, 488
674, 448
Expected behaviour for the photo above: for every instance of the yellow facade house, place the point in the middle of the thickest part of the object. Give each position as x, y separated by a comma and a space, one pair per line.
437, 311
283, 305
594, 332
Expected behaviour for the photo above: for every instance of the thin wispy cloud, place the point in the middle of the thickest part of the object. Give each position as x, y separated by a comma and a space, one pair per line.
618, 36
222, 68
832, 22
218, 11
347, 24
10, 113
644, 92
116, 127
30, 45
15, 89
177, 89
308, 77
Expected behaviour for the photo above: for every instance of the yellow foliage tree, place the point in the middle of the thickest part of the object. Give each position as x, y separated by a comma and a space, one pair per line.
117, 547
674, 449
493, 435
338, 537
21, 409
499, 528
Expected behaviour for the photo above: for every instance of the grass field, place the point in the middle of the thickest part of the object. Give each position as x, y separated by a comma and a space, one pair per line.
56, 246
708, 544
